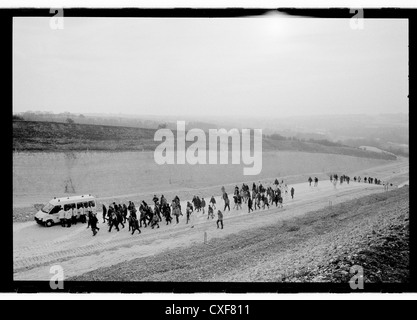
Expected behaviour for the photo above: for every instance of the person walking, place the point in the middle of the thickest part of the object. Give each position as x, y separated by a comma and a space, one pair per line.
226, 201
155, 199
213, 202
250, 202
210, 212
119, 215
188, 212
292, 192
87, 214
124, 212
93, 223
203, 204
113, 220
134, 223
176, 211
110, 215
154, 221
158, 213
258, 200
239, 201
235, 201
104, 213
219, 219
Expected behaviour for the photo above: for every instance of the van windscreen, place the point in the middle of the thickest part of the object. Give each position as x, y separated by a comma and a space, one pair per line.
46, 208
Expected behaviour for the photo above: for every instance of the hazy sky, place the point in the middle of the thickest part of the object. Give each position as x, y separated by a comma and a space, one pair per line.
268, 67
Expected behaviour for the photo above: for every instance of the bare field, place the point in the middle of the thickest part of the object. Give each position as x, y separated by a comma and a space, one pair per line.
37, 177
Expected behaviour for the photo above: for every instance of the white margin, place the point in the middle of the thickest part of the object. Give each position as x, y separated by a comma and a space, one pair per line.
208, 4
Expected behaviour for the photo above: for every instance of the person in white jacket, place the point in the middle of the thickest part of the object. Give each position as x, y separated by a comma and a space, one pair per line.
81, 213
74, 214
61, 215
68, 215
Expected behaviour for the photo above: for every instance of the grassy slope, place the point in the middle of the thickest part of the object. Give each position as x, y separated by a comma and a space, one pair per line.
52, 136
320, 246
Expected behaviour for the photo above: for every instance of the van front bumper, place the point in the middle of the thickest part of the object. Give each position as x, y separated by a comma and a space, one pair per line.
39, 221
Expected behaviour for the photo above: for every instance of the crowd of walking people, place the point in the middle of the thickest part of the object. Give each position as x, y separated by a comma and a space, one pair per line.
334, 178
117, 216
257, 197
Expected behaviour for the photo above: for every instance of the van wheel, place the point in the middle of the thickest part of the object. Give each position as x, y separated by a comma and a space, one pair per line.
49, 223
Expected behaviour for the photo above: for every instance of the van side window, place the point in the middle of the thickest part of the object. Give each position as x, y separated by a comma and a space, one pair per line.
79, 205
55, 209
92, 204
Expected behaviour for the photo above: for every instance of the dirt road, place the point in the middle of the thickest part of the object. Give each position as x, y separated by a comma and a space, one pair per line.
37, 249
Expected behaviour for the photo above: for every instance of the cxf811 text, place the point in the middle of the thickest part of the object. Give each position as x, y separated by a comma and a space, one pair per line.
229, 309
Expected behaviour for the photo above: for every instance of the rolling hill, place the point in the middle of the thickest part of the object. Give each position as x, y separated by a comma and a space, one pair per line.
34, 136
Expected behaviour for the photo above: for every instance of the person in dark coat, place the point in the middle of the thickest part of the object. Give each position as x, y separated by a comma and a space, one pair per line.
93, 223
213, 202
210, 212
292, 192
226, 201
113, 220
134, 223
104, 213
155, 200
119, 216
157, 212
250, 202
124, 212
110, 215
239, 201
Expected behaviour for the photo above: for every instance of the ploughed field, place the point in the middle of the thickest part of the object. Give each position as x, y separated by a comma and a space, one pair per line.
56, 136
39, 176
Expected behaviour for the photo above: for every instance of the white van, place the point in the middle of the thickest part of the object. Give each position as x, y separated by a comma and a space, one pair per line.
49, 214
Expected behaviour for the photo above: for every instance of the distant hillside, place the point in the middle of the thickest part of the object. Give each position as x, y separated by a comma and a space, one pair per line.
53, 136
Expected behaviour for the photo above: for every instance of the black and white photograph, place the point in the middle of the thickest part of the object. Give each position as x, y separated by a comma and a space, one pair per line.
263, 147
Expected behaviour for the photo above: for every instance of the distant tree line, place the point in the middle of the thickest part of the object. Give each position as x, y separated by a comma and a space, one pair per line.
16, 117
72, 118
324, 142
